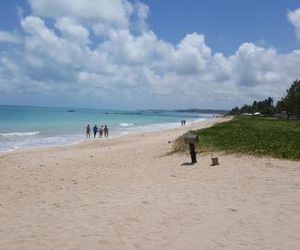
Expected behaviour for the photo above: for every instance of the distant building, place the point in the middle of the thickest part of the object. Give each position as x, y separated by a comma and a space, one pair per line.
282, 115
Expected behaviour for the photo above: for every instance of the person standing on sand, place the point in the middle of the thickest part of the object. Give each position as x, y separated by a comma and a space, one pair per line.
105, 131
101, 131
88, 131
95, 130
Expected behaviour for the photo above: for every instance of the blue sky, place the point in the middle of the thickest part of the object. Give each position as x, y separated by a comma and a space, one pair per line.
226, 24
147, 54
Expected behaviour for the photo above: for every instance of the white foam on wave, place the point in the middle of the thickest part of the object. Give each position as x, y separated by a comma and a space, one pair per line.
199, 120
154, 127
22, 140
124, 124
33, 142
12, 134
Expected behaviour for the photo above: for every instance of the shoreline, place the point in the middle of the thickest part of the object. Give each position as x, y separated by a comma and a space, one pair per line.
127, 193
48, 127
91, 140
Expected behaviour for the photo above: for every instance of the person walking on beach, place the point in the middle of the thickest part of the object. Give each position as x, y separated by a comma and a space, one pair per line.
88, 131
101, 132
105, 131
95, 130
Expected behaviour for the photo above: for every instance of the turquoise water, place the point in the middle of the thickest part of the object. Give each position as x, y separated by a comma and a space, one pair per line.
26, 127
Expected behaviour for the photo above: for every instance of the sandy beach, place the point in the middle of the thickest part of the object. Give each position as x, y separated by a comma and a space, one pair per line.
129, 193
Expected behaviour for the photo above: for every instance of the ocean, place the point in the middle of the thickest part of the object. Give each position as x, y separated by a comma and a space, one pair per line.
29, 127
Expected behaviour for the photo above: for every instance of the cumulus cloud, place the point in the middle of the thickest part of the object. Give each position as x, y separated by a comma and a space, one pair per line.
104, 53
72, 30
142, 11
191, 55
9, 37
110, 11
294, 18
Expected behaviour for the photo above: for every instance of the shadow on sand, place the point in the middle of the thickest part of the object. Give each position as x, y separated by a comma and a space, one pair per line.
187, 164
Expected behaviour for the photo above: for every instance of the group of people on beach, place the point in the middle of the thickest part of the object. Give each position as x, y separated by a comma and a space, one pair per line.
103, 131
183, 122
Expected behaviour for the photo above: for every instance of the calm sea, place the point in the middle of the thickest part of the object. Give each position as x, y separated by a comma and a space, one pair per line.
27, 127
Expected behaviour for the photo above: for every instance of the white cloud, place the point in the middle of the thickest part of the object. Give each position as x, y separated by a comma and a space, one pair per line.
9, 37
114, 58
72, 30
111, 11
294, 18
43, 41
191, 55
142, 14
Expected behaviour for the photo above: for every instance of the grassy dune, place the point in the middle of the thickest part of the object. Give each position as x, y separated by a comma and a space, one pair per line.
251, 135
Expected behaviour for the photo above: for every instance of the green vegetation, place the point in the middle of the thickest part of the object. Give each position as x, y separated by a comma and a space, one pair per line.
251, 135
289, 104
264, 107
257, 135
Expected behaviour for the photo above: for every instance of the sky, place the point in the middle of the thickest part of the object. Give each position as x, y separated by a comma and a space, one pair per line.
123, 54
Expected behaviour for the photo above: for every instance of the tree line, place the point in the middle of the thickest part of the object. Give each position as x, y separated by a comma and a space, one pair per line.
290, 104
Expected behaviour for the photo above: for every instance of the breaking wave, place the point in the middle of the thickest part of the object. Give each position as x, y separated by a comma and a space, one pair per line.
19, 134
126, 124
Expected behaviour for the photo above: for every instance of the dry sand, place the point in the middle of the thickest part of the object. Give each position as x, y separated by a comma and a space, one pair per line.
125, 193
